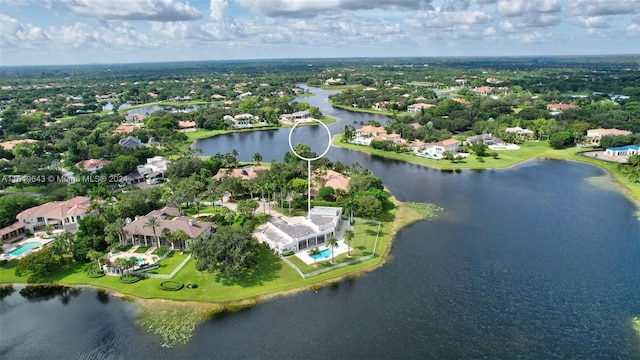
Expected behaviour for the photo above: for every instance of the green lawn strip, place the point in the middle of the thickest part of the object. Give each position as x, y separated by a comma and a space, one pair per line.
368, 111
141, 249
168, 264
204, 210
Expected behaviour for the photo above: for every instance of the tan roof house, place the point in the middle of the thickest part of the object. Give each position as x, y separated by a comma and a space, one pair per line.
59, 214
417, 107
187, 126
126, 129
595, 135
244, 173
92, 165
9, 145
331, 179
140, 233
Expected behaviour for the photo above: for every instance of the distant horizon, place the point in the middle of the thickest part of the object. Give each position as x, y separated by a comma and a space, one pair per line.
76, 32
301, 59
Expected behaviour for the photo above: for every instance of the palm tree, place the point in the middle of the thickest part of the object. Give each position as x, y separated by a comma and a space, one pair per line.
349, 235
181, 237
332, 242
257, 158
168, 237
95, 256
153, 223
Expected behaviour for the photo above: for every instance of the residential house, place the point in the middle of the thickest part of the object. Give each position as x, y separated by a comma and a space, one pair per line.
331, 179
242, 120
414, 108
438, 148
138, 231
482, 90
298, 116
557, 108
595, 135
59, 214
135, 117
154, 168
365, 134
243, 173
299, 233
92, 165
126, 129
520, 132
9, 145
130, 142
12, 233
628, 150
487, 139
186, 126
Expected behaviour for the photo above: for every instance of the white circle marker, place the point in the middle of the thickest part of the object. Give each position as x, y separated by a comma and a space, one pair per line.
317, 157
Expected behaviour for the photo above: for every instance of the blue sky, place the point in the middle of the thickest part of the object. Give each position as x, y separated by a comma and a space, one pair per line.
42, 32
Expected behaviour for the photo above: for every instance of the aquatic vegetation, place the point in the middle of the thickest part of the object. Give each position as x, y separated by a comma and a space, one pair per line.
175, 322
424, 211
636, 324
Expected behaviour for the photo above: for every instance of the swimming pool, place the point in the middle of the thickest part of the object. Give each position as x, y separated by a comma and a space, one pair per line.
138, 260
429, 156
23, 248
322, 255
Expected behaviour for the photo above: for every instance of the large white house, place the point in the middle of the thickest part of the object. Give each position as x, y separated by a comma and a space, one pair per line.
59, 214
299, 233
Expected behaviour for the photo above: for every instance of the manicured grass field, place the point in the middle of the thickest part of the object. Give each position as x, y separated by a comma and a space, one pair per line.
168, 264
141, 249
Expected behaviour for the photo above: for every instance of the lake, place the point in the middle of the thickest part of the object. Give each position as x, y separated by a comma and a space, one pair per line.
538, 261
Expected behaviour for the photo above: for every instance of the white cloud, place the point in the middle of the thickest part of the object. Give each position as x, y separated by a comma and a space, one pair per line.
522, 7
633, 30
14, 34
590, 22
604, 7
310, 8
153, 10
506, 26
217, 9
490, 32
446, 19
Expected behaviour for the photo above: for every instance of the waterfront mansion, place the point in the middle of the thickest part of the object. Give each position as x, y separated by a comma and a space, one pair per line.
299, 233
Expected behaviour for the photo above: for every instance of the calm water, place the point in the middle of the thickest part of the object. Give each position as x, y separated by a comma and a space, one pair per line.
532, 262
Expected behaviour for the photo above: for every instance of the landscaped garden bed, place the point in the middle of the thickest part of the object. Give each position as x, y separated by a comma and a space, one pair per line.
130, 279
95, 273
171, 285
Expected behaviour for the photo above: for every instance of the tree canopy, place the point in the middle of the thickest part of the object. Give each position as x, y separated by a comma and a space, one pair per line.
231, 251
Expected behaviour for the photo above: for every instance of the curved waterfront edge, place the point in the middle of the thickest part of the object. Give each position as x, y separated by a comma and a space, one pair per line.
537, 150
402, 217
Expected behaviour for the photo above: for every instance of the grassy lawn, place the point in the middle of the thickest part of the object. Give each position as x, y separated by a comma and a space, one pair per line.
122, 248
204, 210
362, 244
270, 275
169, 263
141, 250
369, 111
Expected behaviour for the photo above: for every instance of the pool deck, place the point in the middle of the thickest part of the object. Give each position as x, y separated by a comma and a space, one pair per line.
147, 257
304, 254
39, 237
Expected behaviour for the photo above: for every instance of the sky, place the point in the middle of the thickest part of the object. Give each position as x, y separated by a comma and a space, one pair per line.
53, 32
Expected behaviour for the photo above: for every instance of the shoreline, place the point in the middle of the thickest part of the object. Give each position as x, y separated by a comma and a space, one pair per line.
403, 217
576, 157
